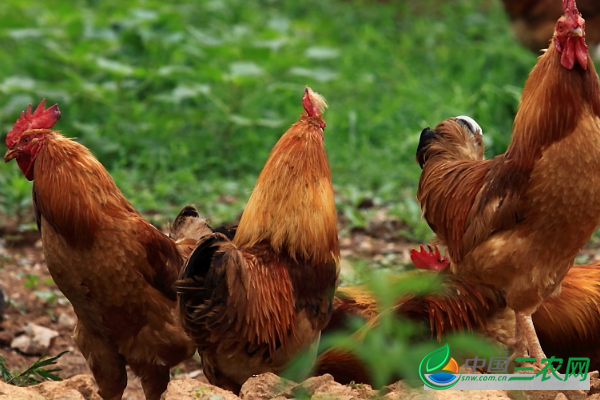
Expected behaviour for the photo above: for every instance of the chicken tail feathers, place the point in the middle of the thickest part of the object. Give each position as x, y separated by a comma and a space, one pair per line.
188, 211
199, 285
199, 262
424, 140
461, 306
189, 226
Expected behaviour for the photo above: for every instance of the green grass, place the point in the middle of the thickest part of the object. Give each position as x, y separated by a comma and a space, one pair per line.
182, 101
34, 374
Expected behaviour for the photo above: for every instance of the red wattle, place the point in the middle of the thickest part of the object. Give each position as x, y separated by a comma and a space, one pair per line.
567, 60
581, 53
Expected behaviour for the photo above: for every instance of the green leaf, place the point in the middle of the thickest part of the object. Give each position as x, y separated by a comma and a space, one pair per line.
245, 69
114, 66
318, 74
321, 53
17, 83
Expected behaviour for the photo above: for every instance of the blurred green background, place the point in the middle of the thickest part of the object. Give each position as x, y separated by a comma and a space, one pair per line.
183, 100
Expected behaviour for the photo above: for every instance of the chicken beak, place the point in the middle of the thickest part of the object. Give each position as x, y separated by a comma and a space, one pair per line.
10, 154
577, 32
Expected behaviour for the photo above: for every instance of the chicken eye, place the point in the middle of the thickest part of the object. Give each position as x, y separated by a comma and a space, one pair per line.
560, 26
26, 140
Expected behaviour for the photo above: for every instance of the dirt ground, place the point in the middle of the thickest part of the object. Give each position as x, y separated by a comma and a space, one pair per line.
32, 297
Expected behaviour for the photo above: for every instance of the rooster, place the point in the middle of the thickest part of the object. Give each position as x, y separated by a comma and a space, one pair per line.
253, 301
566, 324
116, 269
519, 219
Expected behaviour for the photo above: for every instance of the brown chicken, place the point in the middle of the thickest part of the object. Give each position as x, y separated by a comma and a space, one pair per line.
115, 268
519, 219
567, 324
254, 301
533, 21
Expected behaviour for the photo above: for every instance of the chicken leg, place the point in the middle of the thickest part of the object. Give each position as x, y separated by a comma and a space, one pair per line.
528, 337
519, 342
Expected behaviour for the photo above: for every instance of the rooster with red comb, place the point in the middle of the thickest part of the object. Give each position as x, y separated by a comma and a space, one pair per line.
25, 147
255, 301
518, 220
115, 268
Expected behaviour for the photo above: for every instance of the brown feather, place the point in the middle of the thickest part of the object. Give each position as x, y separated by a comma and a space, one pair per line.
65, 166
187, 229
568, 324
349, 302
566, 95
460, 305
303, 224
115, 268
189, 226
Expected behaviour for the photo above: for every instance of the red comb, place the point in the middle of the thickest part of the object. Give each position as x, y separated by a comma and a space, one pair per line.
429, 259
311, 108
570, 8
40, 119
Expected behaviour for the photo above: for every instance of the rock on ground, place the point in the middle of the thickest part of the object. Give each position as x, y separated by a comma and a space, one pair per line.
265, 386
36, 339
188, 388
79, 387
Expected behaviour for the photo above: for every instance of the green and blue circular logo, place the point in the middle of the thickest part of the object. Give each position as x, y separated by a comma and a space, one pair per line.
441, 368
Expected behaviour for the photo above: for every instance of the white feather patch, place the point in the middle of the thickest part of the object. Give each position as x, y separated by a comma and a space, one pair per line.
472, 123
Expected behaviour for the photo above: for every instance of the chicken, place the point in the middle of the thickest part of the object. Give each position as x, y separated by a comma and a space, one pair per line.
567, 324
532, 21
500, 217
116, 269
254, 301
